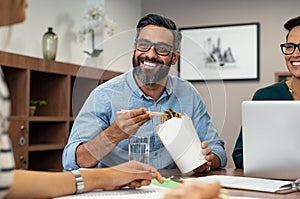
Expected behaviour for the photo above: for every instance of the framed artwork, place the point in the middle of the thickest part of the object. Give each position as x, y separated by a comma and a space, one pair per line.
223, 52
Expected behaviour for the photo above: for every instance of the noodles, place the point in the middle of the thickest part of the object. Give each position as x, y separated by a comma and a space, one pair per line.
169, 114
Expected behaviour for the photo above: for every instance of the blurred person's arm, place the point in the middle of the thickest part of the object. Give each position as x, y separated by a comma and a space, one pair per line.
195, 190
36, 184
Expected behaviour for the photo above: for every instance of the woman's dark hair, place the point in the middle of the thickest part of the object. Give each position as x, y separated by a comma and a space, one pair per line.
290, 24
158, 20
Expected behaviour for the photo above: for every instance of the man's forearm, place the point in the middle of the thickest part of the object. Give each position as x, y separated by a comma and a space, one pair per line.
90, 153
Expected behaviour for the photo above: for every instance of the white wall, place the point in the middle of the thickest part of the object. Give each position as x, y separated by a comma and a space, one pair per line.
126, 13
224, 98
66, 17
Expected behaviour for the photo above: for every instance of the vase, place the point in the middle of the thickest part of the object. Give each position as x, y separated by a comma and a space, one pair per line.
95, 52
50, 41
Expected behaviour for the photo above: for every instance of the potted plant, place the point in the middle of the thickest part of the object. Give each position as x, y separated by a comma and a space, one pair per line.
33, 104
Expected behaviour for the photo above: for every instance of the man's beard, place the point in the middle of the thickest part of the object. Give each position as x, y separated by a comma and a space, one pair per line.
146, 76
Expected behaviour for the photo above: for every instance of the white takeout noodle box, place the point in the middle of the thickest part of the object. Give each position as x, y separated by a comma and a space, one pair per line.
182, 142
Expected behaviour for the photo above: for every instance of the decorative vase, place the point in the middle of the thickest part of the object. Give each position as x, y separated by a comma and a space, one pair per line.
50, 44
95, 52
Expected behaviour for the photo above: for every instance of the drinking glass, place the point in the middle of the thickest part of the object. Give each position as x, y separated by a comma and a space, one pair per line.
138, 148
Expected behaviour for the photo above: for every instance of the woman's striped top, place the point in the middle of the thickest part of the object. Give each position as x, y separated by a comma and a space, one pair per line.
7, 164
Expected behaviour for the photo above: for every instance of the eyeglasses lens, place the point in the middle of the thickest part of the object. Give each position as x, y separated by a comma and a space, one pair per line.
160, 48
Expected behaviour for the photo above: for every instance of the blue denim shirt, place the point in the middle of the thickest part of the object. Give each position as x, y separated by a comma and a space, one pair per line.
101, 107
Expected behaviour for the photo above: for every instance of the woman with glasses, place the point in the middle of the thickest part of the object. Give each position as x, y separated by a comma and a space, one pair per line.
284, 90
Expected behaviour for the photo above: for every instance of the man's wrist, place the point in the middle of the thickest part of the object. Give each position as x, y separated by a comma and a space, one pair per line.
216, 162
114, 137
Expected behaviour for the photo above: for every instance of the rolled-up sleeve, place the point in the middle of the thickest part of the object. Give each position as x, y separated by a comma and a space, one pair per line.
86, 126
69, 157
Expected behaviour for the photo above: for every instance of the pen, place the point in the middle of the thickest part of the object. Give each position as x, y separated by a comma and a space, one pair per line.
291, 186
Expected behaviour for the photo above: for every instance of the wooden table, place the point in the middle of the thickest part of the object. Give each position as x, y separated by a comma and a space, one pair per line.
235, 192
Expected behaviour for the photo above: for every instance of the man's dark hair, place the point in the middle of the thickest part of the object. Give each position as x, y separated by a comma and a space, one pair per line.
290, 24
158, 20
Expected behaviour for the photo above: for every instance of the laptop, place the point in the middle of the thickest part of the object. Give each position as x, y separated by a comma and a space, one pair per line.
271, 139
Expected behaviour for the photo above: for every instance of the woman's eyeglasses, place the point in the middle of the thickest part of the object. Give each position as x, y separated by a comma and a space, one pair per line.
160, 48
289, 48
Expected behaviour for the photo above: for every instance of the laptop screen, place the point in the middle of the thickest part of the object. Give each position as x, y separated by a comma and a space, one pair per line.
271, 139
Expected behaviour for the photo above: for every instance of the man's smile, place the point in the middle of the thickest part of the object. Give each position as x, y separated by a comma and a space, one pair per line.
149, 63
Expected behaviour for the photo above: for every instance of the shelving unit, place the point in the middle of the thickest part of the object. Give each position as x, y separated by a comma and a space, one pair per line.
38, 140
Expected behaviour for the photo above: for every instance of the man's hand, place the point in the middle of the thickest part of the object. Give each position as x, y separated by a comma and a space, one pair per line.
213, 161
128, 123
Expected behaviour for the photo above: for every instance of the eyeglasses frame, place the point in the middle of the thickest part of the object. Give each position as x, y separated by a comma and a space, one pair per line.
290, 43
154, 45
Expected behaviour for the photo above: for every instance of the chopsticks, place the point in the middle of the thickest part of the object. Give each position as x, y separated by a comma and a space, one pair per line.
150, 112
157, 113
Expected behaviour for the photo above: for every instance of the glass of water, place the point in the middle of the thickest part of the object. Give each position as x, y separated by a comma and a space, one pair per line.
138, 148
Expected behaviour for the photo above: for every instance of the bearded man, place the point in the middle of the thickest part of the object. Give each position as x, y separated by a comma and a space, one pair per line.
99, 136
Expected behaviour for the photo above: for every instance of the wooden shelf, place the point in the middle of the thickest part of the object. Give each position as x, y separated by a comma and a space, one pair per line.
38, 141
46, 118
46, 147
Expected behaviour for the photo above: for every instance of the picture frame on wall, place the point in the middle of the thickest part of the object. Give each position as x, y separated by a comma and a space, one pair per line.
220, 52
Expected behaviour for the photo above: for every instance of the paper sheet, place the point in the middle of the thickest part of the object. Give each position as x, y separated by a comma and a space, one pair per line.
153, 191
147, 192
247, 183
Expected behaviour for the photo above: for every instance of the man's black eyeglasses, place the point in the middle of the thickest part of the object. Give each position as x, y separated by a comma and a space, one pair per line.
289, 48
160, 48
